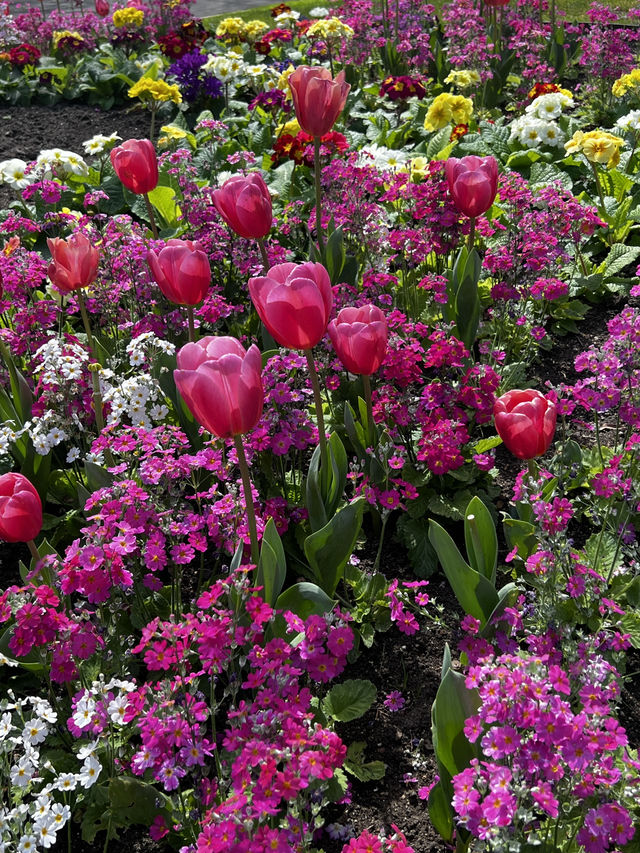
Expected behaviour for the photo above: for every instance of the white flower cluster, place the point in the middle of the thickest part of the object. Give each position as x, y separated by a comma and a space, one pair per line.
549, 107
99, 143
629, 122
54, 162
384, 159
116, 702
539, 126
14, 174
31, 814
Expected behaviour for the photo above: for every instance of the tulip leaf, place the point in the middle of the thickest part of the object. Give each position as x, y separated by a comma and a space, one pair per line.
163, 200
441, 811
521, 535
272, 565
334, 255
304, 599
324, 491
481, 539
475, 593
329, 549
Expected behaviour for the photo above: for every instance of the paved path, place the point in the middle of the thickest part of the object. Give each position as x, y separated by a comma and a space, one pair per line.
201, 8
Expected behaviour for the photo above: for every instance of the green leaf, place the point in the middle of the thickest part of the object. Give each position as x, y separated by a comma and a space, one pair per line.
364, 771
349, 700
438, 141
475, 593
163, 200
441, 811
414, 535
325, 491
328, 549
521, 535
486, 444
618, 258
481, 539
543, 174
305, 599
453, 705
600, 551
272, 565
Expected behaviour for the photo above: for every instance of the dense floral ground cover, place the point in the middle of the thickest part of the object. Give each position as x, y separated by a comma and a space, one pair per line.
241, 355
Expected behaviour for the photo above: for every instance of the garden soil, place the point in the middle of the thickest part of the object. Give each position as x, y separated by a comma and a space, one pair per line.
402, 740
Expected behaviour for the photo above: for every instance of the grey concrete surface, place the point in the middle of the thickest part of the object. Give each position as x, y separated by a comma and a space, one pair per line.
201, 8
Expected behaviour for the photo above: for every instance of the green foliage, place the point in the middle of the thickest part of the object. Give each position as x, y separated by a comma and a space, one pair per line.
329, 548
349, 700
364, 771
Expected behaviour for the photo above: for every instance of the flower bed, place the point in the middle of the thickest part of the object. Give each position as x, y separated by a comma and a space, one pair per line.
252, 359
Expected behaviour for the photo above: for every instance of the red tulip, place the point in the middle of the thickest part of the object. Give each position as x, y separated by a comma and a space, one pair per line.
294, 302
318, 98
245, 205
526, 422
74, 262
182, 271
221, 384
20, 509
102, 8
473, 183
136, 165
359, 336
492, 3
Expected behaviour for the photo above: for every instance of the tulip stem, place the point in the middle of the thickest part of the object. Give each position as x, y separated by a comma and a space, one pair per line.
317, 396
192, 325
152, 219
248, 498
86, 323
316, 164
472, 234
265, 256
33, 550
366, 383
533, 469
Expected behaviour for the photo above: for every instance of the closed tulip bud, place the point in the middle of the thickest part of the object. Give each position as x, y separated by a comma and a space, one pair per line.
359, 337
136, 165
20, 509
244, 203
102, 8
294, 302
74, 262
221, 384
182, 271
526, 422
473, 183
318, 98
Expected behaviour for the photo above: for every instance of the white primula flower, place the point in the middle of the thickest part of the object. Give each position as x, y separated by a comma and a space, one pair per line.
22, 772
87, 750
41, 806
549, 106
116, 709
318, 12
56, 436
66, 782
629, 122
61, 815
5, 725
384, 159
73, 454
12, 173
27, 844
98, 143
89, 772
83, 713
59, 162
35, 731
45, 830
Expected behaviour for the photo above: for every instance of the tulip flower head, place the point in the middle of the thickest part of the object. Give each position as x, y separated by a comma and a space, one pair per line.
182, 272
136, 165
294, 302
244, 203
74, 262
20, 509
526, 422
221, 384
473, 183
318, 98
359, 337
102, 8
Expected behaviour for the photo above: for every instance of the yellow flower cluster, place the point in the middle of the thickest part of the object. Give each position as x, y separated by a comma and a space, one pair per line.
155, 90
331, 29
172, 133
463, 79
254, 29
628, 81
231, 28
598, 146
58, 35
447, 109
290, 127
128, 17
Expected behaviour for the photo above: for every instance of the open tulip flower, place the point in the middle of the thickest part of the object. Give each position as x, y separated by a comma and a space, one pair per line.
318, 99
136, 165
244, 203
20, 509
182, 272
74, 262
359, 337
526, 422
473, 183
294, 302
221, 384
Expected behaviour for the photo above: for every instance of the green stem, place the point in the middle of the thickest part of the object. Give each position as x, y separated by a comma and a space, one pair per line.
317, 396
248, 498
152, 219
33, 550
192, 325
376, 564
265, 256
316, 163
532, 465
472, 234
366, 383
86, 323
598, 187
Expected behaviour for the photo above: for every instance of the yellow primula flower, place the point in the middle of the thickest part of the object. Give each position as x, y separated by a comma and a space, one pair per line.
598, 146
155, 90
173, 131
58, 35
462, 79
330, 29
419, 168
461, 109
447, 109
128, 17
231, 28
254, 29
291, 127
625, 83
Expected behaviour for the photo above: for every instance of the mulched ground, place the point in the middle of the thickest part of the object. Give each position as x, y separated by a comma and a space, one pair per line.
410, 664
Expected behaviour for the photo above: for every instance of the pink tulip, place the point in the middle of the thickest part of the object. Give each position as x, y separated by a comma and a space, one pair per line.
102, 8
318, 98
526, 422
473, 183
359, 337
294, 302
20, 509
245, 205
74, 262
221, 384
182, 271
136, 165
